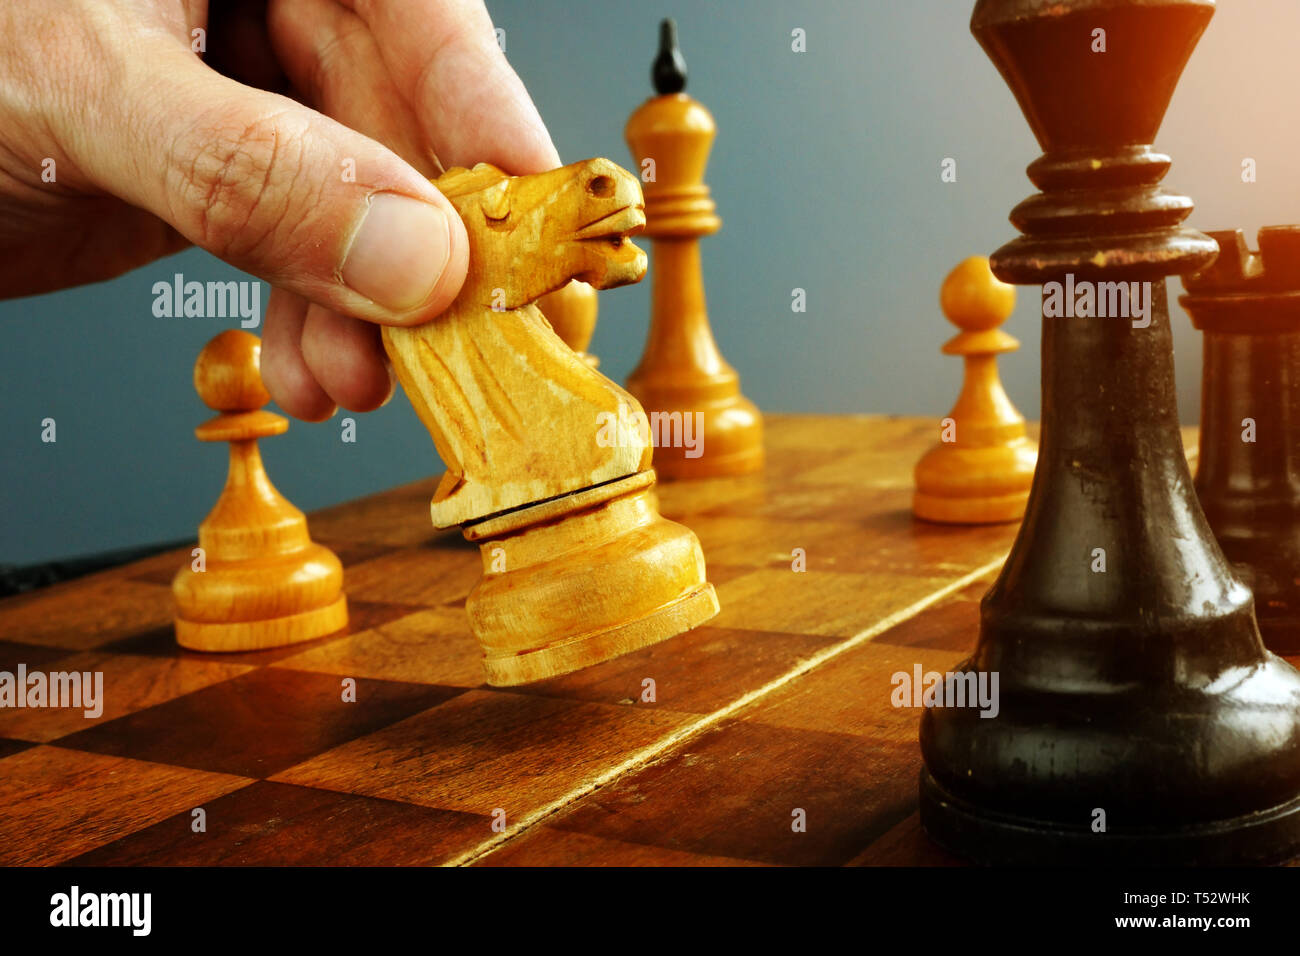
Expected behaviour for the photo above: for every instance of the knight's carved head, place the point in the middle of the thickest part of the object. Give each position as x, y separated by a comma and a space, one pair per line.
529, 235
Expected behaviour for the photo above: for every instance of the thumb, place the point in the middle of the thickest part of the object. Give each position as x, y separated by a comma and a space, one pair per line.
281, 191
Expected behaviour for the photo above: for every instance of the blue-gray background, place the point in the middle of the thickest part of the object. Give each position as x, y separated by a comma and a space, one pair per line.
826, 174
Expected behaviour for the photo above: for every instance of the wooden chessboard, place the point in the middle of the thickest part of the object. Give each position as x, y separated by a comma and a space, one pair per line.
779, 704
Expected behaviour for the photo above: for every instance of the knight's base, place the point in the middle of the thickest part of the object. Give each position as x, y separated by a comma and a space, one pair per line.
681, 615
581, 579
1266, 837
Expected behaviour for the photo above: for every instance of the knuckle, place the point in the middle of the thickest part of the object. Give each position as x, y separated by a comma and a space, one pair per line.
238, 182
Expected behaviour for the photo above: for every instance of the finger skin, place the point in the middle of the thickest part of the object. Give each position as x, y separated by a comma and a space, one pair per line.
330, 55
444, 56
256, 179
347, 359
284, 372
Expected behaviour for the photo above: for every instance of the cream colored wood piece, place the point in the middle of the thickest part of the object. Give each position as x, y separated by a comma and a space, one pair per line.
682, 372
982, 467
547, 468
515, 415
571, 310
260, 581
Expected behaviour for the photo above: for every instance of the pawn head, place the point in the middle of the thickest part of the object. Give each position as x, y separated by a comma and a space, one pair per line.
227, 374
974, 299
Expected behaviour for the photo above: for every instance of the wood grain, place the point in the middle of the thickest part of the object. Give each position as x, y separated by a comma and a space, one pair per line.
271, 824
56, 803
981, 469
405, 774
512, 411
130, 683
548, 461
485, 750
682, 375
258, 579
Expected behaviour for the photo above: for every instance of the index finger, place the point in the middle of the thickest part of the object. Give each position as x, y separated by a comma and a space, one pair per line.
472, 106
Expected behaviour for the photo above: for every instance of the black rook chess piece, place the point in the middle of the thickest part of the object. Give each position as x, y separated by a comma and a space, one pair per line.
1140, 717
1248, 476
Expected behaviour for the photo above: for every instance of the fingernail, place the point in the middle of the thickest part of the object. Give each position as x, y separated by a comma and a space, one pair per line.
399, 252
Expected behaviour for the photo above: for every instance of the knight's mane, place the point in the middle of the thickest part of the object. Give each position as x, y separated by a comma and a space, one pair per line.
459, 181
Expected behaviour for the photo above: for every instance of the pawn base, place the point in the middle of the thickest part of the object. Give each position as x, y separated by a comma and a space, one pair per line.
260, 635
991, 510
250, 604
727, 432
672, 465
980, 484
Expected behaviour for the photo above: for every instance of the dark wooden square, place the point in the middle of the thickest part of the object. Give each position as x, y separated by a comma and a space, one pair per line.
260, 723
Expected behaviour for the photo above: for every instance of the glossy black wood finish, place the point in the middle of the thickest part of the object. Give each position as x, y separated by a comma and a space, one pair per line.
1141, 718
1248, 307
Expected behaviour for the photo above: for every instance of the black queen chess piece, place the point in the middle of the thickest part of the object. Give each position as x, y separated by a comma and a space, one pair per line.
1140, 718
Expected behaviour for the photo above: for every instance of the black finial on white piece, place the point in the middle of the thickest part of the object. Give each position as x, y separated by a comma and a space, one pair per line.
668, 73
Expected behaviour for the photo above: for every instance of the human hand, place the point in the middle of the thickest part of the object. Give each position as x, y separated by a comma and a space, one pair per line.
155, 148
